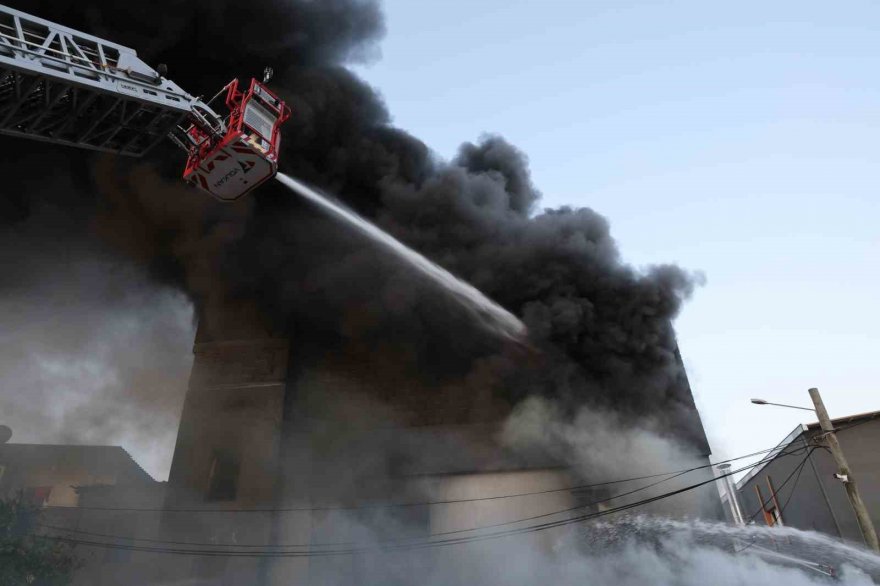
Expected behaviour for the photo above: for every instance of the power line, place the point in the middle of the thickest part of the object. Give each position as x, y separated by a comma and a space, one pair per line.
444, 533
414, 504
820, 446
580, 518
209, 544
798, 469
797, 475
793, 486
795, 470
622, 507
399, 545
822, 568
432, 542
424, 543
351, 543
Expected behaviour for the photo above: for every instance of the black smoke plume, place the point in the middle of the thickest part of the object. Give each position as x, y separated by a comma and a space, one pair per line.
602, 330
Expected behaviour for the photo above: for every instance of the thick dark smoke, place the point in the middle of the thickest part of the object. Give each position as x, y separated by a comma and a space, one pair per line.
602, 330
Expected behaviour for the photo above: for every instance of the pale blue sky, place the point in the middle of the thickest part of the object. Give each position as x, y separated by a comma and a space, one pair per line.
738, 139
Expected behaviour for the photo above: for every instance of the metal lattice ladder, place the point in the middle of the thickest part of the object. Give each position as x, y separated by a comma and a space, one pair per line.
67, 87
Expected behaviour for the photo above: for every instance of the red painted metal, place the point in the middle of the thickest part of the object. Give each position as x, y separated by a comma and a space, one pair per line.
230, 165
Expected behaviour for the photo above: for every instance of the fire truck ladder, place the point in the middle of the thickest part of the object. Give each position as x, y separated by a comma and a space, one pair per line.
63, 86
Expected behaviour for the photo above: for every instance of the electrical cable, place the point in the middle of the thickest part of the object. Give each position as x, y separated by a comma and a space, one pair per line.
424, 543
793, 486
798, 469
209, 544
795, 470
398, 545
414, 504
350, 543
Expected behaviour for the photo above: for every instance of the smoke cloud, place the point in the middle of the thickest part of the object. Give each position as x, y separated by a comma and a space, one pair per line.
91, 350
601, 330
646, 550
592, 441
628, 551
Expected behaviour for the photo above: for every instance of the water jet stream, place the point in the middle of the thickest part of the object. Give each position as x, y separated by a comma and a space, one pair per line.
490, 313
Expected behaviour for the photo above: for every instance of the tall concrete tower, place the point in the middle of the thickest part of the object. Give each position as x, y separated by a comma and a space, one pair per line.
229, 441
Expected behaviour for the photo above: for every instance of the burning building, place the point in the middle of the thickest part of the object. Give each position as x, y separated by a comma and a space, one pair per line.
282, 446
337, 396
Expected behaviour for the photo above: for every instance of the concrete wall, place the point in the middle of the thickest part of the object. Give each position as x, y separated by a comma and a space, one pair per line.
344, 429
233, 413
373, 525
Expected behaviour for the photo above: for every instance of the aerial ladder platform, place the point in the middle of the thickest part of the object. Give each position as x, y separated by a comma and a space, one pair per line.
67, 87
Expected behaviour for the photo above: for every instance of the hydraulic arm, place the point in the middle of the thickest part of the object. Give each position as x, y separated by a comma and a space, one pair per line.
64, 86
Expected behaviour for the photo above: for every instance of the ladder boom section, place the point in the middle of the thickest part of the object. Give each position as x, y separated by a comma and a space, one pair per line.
64, 86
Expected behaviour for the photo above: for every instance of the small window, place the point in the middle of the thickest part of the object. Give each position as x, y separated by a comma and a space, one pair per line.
223, 477
260, 119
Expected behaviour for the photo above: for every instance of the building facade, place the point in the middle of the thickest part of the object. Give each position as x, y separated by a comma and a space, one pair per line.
341, 449
797, 486
284, 452
49, 475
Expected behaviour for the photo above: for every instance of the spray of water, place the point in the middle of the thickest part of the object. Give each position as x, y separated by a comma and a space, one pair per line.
490, 313
686, 550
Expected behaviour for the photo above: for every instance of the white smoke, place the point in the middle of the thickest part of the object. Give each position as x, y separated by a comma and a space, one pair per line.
92, 352
633, 551
595, 443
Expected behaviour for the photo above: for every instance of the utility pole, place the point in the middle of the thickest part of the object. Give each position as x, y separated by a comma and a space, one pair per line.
845, 474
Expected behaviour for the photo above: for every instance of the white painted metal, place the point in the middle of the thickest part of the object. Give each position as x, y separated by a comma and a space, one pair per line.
64, 86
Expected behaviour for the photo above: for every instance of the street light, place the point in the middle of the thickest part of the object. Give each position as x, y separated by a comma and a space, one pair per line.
763, 402
843, 472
